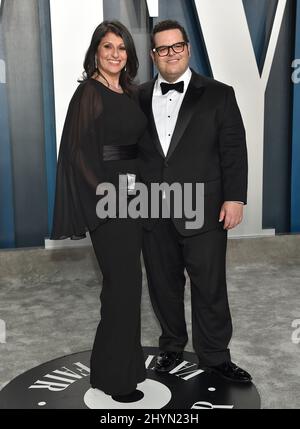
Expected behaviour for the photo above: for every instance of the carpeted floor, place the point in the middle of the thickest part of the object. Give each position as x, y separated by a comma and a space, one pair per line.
49, 301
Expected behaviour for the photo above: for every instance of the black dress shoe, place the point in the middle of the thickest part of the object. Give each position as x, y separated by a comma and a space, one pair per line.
166, 361
229, 371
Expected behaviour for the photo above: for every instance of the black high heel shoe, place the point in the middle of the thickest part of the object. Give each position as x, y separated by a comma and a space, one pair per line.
134, 396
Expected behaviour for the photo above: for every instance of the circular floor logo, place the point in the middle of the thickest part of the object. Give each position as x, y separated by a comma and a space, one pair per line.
64, 383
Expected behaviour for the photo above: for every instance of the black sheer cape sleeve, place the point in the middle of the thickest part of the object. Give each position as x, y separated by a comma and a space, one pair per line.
79, 166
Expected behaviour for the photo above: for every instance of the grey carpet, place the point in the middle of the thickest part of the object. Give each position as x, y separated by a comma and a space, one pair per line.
49, 300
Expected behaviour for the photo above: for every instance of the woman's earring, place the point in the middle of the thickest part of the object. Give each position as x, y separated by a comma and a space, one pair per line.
96, 62
125, 69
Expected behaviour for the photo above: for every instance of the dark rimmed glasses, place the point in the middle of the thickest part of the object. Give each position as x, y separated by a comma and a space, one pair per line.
163, 51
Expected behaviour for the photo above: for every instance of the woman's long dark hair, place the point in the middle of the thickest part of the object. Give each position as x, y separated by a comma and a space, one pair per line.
129, 72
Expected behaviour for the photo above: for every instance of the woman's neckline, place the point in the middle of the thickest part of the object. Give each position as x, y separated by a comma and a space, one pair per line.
106, 87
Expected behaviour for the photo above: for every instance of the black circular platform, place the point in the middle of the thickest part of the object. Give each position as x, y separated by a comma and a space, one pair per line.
64, 383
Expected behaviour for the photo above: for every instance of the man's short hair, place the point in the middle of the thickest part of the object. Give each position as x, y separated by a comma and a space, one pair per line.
168, 24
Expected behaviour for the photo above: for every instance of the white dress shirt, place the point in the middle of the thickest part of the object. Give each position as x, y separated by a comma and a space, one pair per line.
166, 108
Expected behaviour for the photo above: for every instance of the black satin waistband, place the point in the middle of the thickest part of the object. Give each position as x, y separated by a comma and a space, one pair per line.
114, 152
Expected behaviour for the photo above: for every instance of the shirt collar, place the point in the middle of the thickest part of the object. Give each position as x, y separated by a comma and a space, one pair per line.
186, 77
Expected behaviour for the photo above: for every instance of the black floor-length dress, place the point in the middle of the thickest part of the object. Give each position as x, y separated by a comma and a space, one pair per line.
100, 142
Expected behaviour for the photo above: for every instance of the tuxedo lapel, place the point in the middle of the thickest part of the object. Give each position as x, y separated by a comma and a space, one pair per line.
192, 96
146, 105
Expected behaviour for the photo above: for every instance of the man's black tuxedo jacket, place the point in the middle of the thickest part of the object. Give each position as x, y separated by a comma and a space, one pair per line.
208, 146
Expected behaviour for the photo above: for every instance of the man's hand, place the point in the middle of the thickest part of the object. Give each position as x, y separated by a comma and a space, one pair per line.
232, 214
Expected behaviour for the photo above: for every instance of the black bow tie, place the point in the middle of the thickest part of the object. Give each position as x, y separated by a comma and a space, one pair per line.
166, 87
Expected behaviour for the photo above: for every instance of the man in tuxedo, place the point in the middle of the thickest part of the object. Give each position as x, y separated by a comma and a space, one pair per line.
196, 136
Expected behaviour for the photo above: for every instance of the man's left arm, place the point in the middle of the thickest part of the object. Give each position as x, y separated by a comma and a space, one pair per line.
233, 156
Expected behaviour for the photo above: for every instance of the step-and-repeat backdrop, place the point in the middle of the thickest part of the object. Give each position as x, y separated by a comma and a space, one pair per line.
252, 45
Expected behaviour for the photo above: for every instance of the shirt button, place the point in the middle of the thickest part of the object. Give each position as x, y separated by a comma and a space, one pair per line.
169, 116
170, 99
166, 164
169, 135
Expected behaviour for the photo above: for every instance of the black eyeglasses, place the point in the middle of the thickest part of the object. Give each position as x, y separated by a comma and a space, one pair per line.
163, 51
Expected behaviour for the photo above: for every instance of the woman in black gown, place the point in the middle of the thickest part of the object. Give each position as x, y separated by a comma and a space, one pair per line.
99, 142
